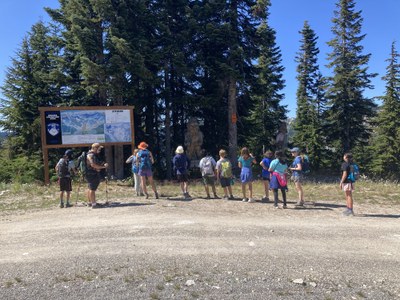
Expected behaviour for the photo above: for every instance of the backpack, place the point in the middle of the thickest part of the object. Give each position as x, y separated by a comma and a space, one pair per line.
180, 163
354, 173
305, 164
82, 163
226, 169
144, 160
207, 166
63, 168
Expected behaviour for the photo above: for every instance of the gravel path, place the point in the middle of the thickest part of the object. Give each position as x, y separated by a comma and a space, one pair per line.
201, 249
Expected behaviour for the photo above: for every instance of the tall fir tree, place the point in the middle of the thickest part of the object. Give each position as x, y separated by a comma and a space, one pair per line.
386, 141
310, 98
350, 112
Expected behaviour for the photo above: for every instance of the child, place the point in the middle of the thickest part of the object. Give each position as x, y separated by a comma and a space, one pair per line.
266, 161
207, 167
246, 176
135, 171
224, 174
144, 161
347, 182
181, 165
297, 175
64, 168
278, 168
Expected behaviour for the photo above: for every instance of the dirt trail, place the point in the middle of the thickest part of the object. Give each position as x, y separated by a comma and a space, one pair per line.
204, 249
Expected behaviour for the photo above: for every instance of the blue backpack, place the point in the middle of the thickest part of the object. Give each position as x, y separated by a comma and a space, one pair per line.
354, 173
144, 160
305, 164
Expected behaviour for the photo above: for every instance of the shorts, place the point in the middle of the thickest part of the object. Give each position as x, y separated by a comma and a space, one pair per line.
209, 180
145, 172
266, 178
182, 177
246, 175
348, 187
225, 182
93, 180
65, 184
296, 177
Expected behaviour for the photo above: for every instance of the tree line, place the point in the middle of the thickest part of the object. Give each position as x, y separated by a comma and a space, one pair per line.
217, 61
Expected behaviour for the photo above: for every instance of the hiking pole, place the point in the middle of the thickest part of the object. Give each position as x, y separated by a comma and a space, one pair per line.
106, 178
79, 187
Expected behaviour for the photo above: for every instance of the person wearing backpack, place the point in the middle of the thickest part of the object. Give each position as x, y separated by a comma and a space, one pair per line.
266, 176
349, 176
245, 161
224, 174
135, 172
181, 163
144, 161
64, 168
278, 169
297, 175
207, 167
94, 167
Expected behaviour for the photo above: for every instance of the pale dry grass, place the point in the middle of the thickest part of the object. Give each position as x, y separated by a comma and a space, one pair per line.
22, 197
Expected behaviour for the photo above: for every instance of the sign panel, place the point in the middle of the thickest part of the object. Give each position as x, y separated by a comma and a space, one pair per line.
53, 127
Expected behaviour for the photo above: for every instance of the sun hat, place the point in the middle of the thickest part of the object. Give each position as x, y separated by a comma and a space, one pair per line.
179, 150
143, 146
295, 149
97, 145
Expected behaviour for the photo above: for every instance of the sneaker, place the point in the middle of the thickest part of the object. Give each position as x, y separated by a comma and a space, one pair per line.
96, 205
156, 194
276, 206
348, 212
251, 200
299, 203
216, 197
231, 197
244, 200
208, 197
68, 205
147, 196
284, 206
225, 197
61, 205
187, 195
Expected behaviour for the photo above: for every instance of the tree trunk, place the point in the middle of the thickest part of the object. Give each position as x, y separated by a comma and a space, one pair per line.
232, 119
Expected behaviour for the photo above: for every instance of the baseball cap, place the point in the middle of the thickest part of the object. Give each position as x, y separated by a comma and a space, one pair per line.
68, 153
295, 149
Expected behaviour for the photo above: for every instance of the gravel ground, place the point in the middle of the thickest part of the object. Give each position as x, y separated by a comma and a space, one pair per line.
201, 249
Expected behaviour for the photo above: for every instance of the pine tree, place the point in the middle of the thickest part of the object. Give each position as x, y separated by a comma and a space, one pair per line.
310, 98
267, 113
349, 112
386, 144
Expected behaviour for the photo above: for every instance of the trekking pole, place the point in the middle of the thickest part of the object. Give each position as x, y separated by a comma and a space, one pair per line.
106, 178
79, 187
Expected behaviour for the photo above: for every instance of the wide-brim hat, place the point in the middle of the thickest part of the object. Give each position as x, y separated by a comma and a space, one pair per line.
97, 145
143, 146
179, 150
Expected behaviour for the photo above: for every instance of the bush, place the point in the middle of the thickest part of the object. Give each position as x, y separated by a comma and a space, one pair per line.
21, 169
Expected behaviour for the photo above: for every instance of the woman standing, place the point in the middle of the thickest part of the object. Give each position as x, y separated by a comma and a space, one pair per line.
144, 161
246, 175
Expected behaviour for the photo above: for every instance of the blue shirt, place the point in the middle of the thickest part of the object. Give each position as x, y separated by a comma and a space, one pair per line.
246, 163
266, 162
297, 161
276, 166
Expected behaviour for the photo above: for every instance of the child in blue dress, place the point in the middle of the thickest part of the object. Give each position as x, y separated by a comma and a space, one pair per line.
246, 175
278, 169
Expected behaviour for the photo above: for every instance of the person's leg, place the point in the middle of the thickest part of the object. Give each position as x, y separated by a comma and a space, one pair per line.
349, 200
251, 192
244, 191
144, 187
225, 192
214, 190
92, 197
61, 199
138, 188
299, 190
266, 185
230, 192
206, 188
276, 199
284, 197
68, 198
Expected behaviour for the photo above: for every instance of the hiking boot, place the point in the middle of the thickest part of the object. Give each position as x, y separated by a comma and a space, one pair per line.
251, 200
299, 203
147, 196
68, 205
244, 200
276, 206
216, 197
348, 212
208, 197
96, 205
265, 199
225, 197
156, 195
231, 197
284, 206
61, 205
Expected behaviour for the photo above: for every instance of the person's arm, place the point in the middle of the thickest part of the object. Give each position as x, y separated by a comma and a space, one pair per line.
95, 165
130, 158
151, 158
344, 176
263, 165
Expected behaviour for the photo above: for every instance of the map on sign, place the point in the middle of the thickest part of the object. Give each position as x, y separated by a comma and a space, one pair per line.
91, 126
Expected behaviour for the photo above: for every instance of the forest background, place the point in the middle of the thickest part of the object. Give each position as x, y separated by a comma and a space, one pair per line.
217, 61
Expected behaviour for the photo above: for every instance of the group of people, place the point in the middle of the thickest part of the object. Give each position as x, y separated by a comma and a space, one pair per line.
275, 169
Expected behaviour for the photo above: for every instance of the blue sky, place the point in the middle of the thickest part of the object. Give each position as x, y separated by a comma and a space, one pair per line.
381, 26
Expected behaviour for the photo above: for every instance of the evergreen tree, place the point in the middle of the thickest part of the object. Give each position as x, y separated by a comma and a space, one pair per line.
29, 85
386, 143
310, 98
349, 112
267, 113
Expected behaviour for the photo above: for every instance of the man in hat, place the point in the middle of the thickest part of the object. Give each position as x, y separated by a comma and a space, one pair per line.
64, 168
94, 166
